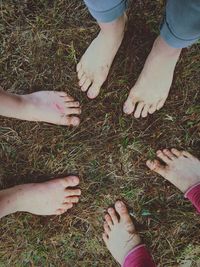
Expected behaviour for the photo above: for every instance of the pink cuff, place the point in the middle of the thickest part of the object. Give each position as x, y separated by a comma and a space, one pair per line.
139, 257
193, 194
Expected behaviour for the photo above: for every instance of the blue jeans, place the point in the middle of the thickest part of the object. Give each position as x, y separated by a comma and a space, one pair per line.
181, 23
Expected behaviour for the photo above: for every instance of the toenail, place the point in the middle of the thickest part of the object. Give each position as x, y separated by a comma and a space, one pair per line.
119, 204
110, 210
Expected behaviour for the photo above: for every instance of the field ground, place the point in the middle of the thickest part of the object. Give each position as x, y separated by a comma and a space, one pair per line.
41, 42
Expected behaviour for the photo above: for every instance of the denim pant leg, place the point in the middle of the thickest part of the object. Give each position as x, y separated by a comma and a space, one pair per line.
106, 10
181, 25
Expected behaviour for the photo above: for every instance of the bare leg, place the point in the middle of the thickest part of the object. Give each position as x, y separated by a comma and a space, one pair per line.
49, 198
95, 64
47, 106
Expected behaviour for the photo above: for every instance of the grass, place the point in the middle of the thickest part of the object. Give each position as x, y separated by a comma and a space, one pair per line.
41, 42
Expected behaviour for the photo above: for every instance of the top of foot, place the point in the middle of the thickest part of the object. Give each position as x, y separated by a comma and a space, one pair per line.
152, 87
95, 64
119, 234
52, 107
49, 198
181, 168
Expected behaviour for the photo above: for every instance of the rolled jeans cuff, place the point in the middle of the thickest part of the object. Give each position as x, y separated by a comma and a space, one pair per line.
110, 15
172, 40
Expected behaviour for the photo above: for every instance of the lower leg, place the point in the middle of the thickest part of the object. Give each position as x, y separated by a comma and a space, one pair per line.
37, 198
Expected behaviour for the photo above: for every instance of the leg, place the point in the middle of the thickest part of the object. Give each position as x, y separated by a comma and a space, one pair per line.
122, 240
37, 198
181, 28
95, 64
47, 106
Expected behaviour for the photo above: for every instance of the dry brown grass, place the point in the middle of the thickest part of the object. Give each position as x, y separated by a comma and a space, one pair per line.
41, 42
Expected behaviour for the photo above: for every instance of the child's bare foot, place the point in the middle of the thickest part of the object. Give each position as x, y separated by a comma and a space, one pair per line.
50, 198
181, 168
152, 87
47, 106
120, 235
95, 64
53, 107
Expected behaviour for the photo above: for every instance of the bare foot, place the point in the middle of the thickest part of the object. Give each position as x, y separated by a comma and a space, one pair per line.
52, 107
152, 87
47, 106
181, 169
120, 235
95, 64
49, 198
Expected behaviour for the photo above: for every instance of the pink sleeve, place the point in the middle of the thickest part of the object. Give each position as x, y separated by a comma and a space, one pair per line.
139, 257
193, 194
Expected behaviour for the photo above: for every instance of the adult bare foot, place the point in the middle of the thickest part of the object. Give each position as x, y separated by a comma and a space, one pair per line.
152, 87
95, 64
49, 198
120, 236
181, 168
47, 106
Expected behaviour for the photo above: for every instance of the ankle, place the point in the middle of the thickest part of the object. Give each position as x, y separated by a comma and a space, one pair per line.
160, 47
115, 28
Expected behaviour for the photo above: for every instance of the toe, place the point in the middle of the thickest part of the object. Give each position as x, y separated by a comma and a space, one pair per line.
86, 84
105, 237
169, 154
70, 181
156, 166
71, 121
72, 104
67, 206
108, 220
72, 192
60, 211
187, 154
160, 104
113, 215
164, 157
64, 208
176, 152
106, 228
62, 94
68, 98
145, 111
80, 73
71, 111
82, 80
78, 66
94, 90
71, 200
129, 106
152, 109
123, 212
138, 110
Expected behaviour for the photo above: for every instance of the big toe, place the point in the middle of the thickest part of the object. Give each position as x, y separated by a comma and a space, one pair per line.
129, 106
72, 121
94, 90
123, 212
156, 166
70, 181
